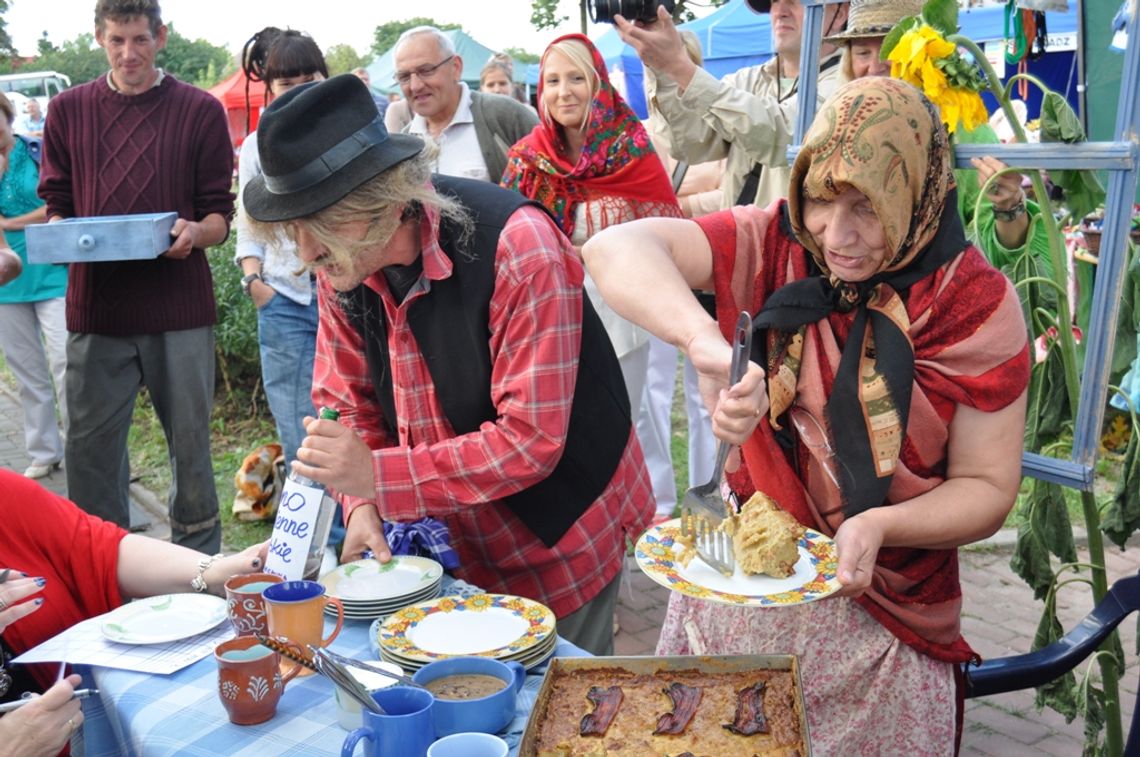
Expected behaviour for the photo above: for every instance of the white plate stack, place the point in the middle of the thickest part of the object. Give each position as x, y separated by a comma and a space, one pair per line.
370, 589
500, 626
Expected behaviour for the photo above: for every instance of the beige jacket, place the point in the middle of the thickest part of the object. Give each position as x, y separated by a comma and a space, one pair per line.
743, 118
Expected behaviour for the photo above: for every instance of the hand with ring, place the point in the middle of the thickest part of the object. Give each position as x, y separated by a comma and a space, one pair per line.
1004, 191
15, 591
46, 724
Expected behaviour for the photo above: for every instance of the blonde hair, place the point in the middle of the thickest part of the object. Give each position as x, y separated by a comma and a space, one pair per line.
6, 108
692, 46
406, 185
581, 59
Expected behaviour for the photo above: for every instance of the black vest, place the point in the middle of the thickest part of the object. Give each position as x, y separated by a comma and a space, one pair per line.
450, 324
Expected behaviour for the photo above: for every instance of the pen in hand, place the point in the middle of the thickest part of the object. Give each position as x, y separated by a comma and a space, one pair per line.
79, 694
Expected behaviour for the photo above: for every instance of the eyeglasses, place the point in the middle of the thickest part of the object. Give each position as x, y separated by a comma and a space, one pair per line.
814, 437
423, 72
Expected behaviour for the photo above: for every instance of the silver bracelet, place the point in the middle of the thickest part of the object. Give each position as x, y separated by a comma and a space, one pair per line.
198, 583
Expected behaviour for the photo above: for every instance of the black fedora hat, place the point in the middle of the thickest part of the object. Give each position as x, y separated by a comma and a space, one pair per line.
760, 6
317, 143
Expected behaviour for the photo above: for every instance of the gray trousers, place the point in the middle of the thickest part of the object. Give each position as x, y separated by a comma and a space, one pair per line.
591, 626
104, 374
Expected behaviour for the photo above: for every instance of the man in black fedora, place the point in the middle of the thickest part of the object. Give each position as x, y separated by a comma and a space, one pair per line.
475, 383
746, 117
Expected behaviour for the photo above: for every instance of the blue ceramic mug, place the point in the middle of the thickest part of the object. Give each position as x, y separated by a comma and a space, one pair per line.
488, 714
405, 730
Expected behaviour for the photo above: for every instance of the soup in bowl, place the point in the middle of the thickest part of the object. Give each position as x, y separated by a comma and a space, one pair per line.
472, 693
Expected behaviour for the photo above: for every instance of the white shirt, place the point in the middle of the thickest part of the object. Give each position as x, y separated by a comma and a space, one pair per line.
459, 153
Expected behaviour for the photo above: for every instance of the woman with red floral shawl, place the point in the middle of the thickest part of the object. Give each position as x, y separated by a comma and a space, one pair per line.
591, 164
884, 406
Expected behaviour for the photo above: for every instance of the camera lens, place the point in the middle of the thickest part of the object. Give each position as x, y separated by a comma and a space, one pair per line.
603, 11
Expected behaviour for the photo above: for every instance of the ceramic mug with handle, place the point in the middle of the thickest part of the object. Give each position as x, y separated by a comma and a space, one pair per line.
405, 729
295, 610
250, 682
244, 604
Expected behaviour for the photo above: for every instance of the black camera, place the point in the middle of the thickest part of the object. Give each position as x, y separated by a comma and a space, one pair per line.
603, 11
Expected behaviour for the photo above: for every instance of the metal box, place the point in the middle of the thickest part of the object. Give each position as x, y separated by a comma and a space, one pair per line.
659, 669
100, 239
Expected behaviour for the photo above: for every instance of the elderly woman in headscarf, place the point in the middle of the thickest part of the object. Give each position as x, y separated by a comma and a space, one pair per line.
884, 405
590, 162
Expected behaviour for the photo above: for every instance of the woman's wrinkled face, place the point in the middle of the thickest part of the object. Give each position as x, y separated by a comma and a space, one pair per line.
865, 58
496, 83
847, 231
565, 91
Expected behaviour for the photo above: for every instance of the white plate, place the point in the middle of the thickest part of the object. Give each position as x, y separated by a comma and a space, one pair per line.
814, 577
169, 617
370, 580
489, 625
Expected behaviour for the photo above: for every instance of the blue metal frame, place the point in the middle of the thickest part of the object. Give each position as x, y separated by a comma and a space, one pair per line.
1121, 159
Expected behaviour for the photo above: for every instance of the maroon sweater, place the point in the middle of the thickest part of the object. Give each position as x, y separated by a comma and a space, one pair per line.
105, 153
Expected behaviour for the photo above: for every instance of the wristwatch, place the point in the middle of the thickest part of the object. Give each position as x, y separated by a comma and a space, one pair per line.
247, 281
1012, 214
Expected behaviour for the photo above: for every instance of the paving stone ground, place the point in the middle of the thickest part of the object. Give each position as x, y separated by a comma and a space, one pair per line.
999, 618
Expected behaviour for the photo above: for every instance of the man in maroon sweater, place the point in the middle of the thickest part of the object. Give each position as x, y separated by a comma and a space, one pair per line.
138, 141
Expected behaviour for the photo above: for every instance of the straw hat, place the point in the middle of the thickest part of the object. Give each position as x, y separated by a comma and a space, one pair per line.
874, 18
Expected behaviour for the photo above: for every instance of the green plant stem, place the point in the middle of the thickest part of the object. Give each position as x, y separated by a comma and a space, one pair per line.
1114, 737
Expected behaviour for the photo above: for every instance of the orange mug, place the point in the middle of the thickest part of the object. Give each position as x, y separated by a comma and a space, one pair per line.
249, 679
295, 610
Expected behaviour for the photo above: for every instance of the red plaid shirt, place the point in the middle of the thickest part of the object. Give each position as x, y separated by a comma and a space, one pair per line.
535, 323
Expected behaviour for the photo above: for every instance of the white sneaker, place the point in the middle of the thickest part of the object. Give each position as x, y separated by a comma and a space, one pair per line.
40, 471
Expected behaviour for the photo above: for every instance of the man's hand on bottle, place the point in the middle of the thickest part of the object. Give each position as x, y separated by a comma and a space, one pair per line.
334, 456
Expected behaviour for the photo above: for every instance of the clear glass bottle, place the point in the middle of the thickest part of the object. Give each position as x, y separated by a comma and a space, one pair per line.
305, 514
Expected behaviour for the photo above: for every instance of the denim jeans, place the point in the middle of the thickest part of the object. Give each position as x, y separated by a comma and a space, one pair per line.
287, 335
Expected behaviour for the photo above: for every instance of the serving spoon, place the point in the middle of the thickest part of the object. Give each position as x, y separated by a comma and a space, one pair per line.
344, 680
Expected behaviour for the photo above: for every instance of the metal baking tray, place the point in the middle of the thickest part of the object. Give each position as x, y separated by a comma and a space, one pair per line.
99, 239
707, 664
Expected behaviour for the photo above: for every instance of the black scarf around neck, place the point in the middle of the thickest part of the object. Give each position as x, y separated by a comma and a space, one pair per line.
812, 299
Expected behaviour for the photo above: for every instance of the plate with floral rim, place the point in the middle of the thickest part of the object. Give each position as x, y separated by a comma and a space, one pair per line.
814, 577
486, 625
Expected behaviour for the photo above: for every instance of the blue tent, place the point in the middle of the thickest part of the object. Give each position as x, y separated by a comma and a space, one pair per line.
733, 37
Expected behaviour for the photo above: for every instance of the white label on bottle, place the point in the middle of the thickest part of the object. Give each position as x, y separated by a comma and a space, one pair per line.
293, 530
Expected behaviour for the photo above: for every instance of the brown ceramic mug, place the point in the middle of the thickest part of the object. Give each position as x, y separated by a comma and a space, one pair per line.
244, 604
249, 680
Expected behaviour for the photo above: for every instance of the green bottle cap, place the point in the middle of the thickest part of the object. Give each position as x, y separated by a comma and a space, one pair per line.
328, 413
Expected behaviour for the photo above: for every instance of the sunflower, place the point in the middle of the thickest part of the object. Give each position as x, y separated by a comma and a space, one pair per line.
924, 58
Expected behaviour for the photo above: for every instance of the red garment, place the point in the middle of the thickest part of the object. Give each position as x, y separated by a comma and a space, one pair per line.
970, 348
617, 161
46, 535
105, 153
535, 326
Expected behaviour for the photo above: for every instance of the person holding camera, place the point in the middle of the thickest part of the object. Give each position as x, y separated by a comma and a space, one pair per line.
748, 116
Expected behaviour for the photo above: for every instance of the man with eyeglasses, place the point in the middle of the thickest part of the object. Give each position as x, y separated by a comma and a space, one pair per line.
473, 130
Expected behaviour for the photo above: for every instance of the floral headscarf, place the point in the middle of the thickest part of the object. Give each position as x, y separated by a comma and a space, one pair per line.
884, 138
617, 160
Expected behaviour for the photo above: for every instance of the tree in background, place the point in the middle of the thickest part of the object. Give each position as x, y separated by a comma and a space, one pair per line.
386, 34
195, 62
79, 59
343, 58
6, 48
522, 56
544, 13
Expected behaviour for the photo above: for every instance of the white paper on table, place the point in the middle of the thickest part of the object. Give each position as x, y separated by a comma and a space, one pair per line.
84, 644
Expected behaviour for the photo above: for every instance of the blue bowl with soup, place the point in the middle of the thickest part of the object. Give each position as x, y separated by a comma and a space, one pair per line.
472, 693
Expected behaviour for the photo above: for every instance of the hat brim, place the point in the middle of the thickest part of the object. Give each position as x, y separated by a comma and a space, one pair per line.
850, 34
263, 205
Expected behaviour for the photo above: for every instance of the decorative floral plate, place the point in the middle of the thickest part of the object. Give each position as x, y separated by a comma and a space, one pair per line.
157, 620
814, 577
487, 625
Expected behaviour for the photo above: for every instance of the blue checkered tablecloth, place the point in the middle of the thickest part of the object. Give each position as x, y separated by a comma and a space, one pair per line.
145, 715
